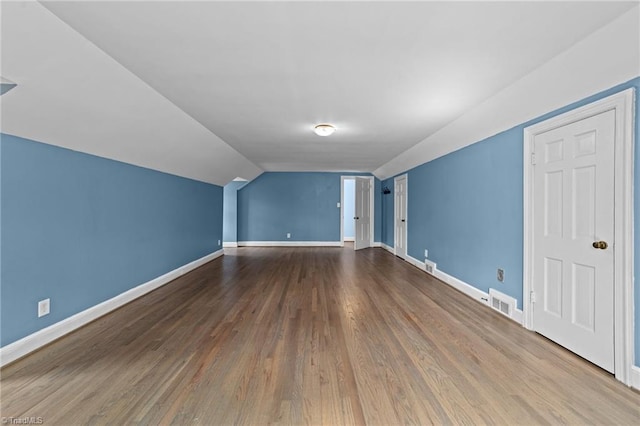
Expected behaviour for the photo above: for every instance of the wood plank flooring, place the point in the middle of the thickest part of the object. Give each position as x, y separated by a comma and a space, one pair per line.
310, 336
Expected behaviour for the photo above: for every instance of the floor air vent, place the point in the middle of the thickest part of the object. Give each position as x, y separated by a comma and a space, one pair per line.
501, 302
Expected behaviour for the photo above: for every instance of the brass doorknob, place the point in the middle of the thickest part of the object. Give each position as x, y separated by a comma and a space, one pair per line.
600, 245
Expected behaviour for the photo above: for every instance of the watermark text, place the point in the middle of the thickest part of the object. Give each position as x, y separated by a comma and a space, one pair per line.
25, 420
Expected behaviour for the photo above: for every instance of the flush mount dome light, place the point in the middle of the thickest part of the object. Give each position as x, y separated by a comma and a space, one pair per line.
324, 129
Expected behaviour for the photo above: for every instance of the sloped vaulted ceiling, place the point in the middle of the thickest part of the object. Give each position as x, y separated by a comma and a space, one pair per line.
71, 94
215, 90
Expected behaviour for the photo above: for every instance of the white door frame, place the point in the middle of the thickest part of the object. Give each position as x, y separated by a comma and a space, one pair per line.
406, 212
622, 103
371, 206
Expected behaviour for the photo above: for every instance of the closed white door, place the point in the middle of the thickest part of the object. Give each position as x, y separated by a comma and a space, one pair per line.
363, 214
573, 282
400, 216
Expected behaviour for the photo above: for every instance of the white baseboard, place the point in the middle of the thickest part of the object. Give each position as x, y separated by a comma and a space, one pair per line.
30, 343
290, 244
517, 316
415, 262
454, 282
462, 286
229, 245
473, 292
388, 248
349, 239
635, 377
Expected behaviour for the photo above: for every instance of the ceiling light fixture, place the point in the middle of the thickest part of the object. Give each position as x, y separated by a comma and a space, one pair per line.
324, 129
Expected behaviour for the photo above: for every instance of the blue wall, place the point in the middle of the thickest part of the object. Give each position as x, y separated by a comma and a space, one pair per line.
301, 203
230, 209
349, 208
386, 220
466, 209
80, 229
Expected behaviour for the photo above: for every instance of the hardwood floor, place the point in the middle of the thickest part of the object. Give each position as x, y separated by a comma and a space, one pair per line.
310, 336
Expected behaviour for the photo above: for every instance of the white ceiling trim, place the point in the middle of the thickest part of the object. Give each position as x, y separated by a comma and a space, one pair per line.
607, 57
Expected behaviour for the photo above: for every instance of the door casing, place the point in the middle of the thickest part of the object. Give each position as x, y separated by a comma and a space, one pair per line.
623, 104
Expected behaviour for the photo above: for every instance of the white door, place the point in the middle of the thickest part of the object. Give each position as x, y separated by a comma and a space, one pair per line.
573, 280
363, 214
400, 216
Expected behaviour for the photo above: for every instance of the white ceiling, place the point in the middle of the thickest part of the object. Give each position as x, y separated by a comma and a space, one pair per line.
71, 94
259, 75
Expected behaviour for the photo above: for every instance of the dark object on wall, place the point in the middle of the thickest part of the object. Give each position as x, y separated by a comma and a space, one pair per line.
386, 190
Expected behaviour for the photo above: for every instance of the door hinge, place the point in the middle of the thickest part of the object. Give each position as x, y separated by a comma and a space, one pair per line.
532, 297
533, 158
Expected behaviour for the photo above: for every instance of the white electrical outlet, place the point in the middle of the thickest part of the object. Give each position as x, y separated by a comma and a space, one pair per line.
43, 307
218, 242
426, 253
288, 234
338, 205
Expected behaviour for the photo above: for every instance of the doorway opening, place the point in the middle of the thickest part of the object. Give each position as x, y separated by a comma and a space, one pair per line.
363, 208
349, 210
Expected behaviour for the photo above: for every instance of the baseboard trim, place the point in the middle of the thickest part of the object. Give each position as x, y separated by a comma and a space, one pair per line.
635, 377
290, 244
517, 316
349, 239
474, 293
462, 286
34, 341
415, 262
388, 248
377, 244
229, 245
454, 282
